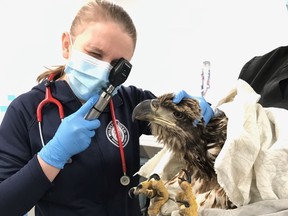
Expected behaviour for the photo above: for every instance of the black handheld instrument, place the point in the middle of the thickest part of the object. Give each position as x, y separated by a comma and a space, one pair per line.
118, 75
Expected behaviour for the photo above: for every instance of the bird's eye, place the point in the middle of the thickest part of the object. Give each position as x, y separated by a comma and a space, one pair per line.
178, 115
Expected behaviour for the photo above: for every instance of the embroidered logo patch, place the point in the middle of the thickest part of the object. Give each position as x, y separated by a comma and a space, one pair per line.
111, 133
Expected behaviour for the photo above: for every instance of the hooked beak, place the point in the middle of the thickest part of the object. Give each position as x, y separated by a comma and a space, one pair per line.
151, 111
145, 110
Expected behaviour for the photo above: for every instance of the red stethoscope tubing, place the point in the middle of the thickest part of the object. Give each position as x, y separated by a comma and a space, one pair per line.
48, 99
121, 149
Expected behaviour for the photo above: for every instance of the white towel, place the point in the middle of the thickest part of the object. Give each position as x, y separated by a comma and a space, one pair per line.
164, 163
253, 164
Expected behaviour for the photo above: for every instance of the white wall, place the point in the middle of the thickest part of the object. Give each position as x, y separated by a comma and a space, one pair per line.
177, 36
174, 38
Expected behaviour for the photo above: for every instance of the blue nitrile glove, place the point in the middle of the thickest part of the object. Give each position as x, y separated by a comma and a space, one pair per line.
72, 137
206, 110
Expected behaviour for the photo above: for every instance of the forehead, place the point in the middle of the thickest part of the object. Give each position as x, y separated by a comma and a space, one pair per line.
107, 36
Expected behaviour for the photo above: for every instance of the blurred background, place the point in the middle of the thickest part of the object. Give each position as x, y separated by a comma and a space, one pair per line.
174, 39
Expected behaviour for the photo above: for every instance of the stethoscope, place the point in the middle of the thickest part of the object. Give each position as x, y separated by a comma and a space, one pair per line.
124, 180
48, 99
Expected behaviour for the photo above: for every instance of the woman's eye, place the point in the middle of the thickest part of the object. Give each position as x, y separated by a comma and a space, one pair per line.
178, 115
95, 55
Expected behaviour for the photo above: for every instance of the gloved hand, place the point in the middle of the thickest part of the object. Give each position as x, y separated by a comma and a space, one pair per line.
72, 137
206, 110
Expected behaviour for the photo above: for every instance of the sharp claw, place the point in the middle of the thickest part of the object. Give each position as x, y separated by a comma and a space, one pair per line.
185, 203
131, 193
154, 176
188, 176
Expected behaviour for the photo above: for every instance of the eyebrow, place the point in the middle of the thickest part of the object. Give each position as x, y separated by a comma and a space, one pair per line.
95, 49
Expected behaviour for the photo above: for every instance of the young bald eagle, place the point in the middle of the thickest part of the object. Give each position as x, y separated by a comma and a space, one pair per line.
181, 128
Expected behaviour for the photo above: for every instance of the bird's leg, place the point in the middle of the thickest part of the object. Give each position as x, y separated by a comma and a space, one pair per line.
161, 195
186, 198
154, 189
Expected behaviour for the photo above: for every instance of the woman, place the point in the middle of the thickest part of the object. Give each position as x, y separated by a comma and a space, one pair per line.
75, 169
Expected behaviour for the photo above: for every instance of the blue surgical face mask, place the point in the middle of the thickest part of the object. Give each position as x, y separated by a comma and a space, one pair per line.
87, 76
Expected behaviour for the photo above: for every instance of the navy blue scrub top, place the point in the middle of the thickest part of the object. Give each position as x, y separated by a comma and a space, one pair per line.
89, 185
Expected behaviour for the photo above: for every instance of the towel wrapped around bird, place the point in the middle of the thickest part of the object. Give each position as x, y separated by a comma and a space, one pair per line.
250, 166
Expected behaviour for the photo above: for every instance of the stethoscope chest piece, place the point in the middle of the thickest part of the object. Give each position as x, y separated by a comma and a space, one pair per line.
125, 180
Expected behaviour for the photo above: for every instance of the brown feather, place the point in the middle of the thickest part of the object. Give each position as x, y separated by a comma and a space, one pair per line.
181, 128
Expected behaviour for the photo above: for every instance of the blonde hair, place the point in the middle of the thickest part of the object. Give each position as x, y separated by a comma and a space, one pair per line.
95, 11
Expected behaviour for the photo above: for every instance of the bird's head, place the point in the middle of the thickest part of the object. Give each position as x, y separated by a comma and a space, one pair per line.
181, 128
173, 124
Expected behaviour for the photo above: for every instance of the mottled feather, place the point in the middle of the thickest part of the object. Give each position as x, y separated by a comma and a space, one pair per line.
180, 127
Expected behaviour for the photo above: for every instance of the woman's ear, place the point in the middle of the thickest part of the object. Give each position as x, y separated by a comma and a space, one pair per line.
66, 45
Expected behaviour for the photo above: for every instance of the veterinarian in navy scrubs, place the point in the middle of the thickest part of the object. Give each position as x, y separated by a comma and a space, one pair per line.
74, 167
